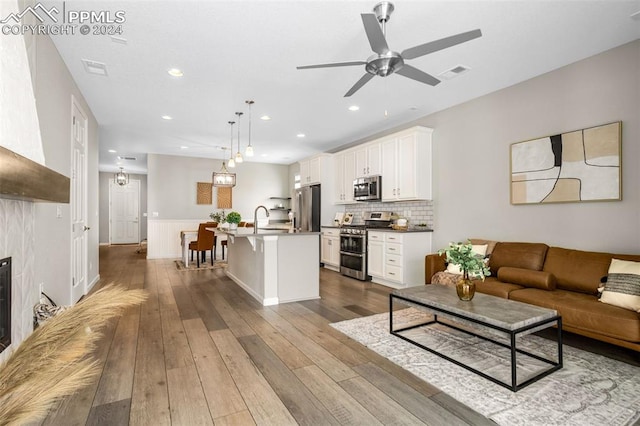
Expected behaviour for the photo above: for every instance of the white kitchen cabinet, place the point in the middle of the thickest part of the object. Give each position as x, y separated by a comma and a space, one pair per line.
330, 244
406, 165
396, 259
344, 163
375, 254
368, 160
313, 169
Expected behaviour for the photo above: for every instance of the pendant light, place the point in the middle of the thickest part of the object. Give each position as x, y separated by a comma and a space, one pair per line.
121, 178
239, 158
224, 178
249, 150
232, 163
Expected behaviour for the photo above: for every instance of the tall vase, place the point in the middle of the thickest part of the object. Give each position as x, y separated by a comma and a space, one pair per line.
465, 288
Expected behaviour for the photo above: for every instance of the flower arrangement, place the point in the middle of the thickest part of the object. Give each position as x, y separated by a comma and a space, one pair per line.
234, 217
218, 217
470, 263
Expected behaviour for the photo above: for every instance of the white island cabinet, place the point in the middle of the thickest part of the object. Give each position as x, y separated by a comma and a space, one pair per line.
275, 266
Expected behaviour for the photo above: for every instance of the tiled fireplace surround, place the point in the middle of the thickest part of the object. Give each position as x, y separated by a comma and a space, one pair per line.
17, 240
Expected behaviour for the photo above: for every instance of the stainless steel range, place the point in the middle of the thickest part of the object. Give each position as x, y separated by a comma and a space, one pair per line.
353, 244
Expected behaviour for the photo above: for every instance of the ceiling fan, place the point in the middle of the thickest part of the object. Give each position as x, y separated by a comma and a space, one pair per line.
384, 61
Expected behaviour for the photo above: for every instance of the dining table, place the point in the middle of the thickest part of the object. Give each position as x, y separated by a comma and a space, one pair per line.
185, 238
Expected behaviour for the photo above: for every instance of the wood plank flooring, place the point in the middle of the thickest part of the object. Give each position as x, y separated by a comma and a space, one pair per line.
201, 351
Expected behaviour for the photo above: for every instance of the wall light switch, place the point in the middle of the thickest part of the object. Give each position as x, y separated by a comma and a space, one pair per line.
155, 214
58, 212
144, 214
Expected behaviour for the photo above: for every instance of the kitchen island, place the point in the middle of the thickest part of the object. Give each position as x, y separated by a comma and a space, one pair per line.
274, 265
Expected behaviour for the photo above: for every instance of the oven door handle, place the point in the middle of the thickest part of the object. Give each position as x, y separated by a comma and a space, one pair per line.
356, 236
351, 254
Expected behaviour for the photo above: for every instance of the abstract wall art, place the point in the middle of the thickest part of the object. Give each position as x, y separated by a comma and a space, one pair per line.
582, 165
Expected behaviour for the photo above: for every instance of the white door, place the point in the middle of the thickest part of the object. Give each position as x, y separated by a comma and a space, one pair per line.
124, 212
78, 205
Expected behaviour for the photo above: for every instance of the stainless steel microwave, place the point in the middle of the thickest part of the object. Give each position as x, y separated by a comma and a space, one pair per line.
367, 188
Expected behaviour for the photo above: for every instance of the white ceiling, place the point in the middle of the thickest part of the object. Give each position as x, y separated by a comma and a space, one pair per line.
232, 51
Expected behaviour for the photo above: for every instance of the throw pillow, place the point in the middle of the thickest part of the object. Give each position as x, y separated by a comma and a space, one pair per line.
480, 250
623, 285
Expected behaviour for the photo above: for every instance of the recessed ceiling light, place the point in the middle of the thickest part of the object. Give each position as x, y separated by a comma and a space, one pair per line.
184, 147
301, 135
265, 118
175, 72
167, 117
354, 108
113, 151
264, 155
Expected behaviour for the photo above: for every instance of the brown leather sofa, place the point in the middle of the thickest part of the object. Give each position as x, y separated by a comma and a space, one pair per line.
557, 278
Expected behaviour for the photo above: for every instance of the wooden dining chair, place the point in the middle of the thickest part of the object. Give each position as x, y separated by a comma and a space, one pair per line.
206, 241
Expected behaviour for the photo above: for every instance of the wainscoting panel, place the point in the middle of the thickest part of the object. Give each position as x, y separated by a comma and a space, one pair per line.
163, 237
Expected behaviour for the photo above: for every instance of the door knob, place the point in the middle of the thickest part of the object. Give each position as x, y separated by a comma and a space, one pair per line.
86, 228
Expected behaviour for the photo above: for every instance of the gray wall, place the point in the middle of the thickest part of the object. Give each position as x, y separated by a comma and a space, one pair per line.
105, 178
53, 89
171, 185
471, 145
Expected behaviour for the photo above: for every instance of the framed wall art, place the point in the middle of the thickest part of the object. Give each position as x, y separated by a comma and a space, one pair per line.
204, 193
577, 166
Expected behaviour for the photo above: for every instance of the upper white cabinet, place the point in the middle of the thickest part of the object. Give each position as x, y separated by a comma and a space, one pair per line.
406, 165
368, 159
345, 163
312, 169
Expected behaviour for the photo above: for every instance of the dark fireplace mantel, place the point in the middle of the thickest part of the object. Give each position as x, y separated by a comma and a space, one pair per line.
24, 179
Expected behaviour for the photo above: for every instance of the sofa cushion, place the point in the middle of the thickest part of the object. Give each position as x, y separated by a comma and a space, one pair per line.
584, 312
517, 255
495, 287
577, 270
490, 244
623, 285
527, 277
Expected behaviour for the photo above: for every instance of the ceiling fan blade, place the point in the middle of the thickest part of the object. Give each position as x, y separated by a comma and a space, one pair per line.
443, 43
363, 80
374, 33
335, 64
418, 75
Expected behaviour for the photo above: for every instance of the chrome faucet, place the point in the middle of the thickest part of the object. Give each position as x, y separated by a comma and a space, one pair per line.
255, 218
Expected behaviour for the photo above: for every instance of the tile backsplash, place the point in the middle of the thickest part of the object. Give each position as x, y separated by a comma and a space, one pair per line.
17, 219
416, 212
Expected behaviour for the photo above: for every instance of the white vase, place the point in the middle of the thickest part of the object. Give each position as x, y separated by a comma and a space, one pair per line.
233, 226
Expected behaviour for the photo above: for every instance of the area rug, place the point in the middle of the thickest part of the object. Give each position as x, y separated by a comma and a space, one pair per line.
203, 265
589, 390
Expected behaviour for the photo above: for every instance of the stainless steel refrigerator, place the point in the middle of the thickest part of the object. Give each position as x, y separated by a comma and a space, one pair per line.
307, 214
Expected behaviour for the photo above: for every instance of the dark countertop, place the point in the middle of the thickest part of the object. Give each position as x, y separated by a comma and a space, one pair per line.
411, 229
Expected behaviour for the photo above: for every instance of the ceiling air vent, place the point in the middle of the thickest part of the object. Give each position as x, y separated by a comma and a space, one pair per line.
122, 157
93, 67
453, 72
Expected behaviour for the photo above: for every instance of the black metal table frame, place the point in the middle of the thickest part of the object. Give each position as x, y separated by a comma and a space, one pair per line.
555, 365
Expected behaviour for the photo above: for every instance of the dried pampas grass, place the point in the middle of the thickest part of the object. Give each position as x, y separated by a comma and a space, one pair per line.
54, 361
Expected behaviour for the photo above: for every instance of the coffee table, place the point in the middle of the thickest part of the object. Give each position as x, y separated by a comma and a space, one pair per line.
496, 318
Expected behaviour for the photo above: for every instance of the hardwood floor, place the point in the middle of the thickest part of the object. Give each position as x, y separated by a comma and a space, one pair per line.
201, 351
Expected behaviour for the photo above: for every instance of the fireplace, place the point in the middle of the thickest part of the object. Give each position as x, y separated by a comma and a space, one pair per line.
5, 303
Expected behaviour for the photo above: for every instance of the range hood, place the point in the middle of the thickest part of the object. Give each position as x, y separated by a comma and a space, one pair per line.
24, 179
